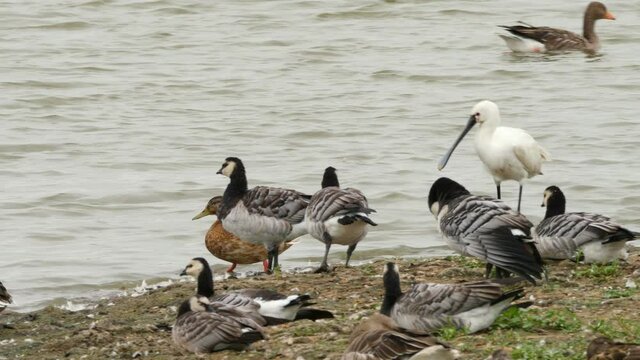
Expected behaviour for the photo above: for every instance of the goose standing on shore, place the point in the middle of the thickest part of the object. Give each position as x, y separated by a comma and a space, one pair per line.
228, 247
507, 153
200, 330
541, 39
560, 235
5, 297
485, 228
429, 307
262, 215
275, 307
337, 216
380, 338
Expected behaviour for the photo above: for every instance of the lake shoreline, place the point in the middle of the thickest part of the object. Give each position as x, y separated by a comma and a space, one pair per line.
578, 301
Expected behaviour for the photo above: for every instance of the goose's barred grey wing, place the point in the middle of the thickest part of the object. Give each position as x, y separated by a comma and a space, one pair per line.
385, 345
239, 307
279, 203
562, 235
490, 230
203, 332
437, 299
332, 201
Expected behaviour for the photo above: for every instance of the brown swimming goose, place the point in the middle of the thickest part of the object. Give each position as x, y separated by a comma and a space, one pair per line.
540, 39
603, 348
228, 247
380, 338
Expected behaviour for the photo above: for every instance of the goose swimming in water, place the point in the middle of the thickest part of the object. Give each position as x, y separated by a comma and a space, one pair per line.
485, 228
380, 338
428, 307
560, 235
228, 247
201, 329
5, 297
337, 216
261, 215
541, 39
275, 307
507, 153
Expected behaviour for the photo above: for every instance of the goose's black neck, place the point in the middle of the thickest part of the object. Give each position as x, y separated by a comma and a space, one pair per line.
205, 281
556, 202
392, 291
330, 178
236, 189
184, 308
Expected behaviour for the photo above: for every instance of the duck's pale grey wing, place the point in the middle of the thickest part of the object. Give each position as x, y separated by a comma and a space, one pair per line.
491, 231
206, 332
332, 201
282, 204
386, 345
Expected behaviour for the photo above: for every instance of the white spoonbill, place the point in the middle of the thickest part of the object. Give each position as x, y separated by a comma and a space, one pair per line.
507, 153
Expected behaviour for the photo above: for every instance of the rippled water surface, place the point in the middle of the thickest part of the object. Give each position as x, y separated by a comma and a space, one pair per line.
117, 114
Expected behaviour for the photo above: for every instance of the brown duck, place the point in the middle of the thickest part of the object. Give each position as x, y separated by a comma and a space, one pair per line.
228, 247
541, 39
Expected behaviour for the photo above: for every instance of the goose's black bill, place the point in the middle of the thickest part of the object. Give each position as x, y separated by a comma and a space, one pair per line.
443, 161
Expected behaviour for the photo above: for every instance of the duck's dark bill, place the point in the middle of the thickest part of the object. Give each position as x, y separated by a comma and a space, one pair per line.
443, 161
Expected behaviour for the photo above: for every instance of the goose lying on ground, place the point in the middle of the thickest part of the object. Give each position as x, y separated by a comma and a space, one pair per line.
485, 228
337, 216
560, 235
261, 215
540, 39
380, 338
275, 307
603, 348
5, 297
427, 307
507, 153
228, 247
200, 329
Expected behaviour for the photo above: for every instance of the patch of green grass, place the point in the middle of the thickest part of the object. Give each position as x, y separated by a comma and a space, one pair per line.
616, 293
619, 328
599, 271
466, 261
539, 350
534, 320
450, 332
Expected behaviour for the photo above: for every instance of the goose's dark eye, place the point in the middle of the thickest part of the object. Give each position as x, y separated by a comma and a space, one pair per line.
188, 266
477, 114
225, 165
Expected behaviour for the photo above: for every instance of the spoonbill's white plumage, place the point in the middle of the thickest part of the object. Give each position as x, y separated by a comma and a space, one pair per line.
507, 153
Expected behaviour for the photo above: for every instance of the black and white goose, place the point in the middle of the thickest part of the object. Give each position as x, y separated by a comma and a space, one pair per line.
201, 329
485, 228
337, 216
5, 297
380, 338
261, 215
429, 307
561, 235
275, 307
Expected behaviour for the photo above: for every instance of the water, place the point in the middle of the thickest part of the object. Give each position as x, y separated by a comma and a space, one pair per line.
116, 115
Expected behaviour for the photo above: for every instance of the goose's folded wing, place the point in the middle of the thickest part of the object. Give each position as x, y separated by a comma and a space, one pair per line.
386, 345
573, 230
203, 331
333, 201
447, 299
279, 203
552, 38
